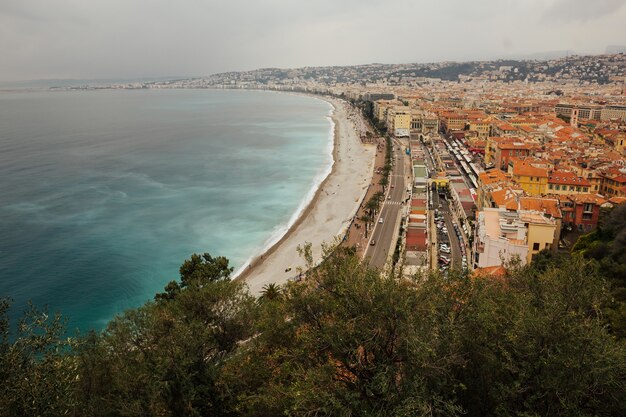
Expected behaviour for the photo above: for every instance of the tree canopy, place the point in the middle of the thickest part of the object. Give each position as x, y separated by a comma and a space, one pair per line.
347, 340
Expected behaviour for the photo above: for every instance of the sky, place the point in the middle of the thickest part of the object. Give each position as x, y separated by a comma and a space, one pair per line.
104, 39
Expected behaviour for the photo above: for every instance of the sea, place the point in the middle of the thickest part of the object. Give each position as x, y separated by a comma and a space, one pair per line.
103, 194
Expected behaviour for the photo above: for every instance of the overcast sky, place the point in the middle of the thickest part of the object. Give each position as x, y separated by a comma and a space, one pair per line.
42, 39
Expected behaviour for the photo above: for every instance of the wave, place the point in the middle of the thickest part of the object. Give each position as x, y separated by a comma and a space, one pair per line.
280, 231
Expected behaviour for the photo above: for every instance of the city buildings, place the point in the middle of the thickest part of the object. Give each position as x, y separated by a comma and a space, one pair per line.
528, 150
502, 235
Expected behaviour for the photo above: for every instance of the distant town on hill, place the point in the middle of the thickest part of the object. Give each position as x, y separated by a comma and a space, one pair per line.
591, 69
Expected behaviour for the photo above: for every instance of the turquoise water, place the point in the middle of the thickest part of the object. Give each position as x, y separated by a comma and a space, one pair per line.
103, 194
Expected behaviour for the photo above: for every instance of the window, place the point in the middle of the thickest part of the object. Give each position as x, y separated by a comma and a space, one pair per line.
588, 208
585, 189
550, 186
535, 246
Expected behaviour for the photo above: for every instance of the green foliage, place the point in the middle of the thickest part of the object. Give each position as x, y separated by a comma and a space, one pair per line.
350, 342
537, 346
345, 341
607, 246
270, 292
37, 372
197, 271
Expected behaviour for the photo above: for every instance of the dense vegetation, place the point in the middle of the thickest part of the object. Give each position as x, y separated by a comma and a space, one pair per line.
345, 341
607, 246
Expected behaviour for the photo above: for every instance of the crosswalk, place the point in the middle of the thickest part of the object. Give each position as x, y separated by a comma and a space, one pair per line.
393, 203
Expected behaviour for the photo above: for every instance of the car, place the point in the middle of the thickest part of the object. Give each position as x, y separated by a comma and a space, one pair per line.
445, 251
393, 186
380, 220
444, 246
444, 229
372, 242
388, 197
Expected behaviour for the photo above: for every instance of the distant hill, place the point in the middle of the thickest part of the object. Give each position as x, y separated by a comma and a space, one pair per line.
616, 49
544, 56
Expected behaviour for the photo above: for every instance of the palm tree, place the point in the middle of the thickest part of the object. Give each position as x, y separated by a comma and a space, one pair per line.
372, 205
270, 292
384, 182
366, 219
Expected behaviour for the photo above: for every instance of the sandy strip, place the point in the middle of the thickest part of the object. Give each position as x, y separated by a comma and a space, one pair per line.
331, 210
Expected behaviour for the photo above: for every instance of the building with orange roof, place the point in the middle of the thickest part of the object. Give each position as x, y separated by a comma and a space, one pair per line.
482, 126
566, 183
527, 129
581, 211
503, 129
617, 200
613, 182
506, 150
530, 177
497, 271
550, 207
490, 147
489, 181
506, 197
451, 120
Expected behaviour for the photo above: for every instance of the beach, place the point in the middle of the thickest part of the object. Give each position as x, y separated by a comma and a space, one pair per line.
330, 211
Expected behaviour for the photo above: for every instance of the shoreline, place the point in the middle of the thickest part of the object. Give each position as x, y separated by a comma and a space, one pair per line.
270, 266
248, 267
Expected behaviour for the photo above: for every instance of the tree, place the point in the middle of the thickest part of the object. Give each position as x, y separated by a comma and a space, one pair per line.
372, 205
379, 196
38, 376
384, 181
350, 341
270, 292
607, 246
197, 271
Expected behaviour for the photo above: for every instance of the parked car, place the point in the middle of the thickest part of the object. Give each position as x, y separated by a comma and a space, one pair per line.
380, 220
372, 242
